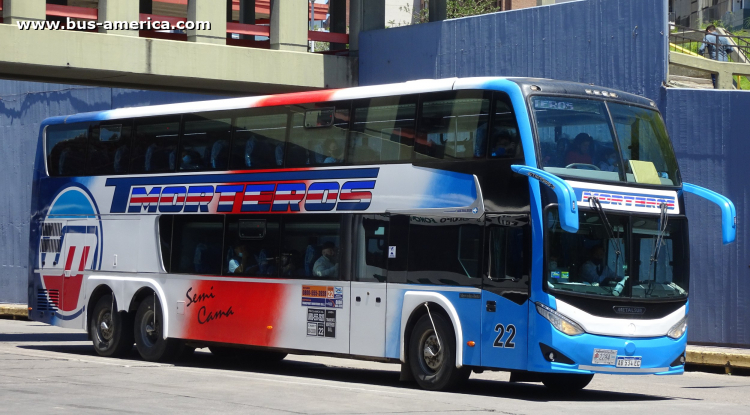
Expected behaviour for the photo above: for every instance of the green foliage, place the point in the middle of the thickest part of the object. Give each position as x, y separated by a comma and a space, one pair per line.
463, 8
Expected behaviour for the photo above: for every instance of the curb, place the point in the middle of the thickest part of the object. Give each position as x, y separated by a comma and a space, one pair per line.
14, 311
727, 358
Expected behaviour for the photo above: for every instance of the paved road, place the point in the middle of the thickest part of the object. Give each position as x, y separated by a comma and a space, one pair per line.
49, 370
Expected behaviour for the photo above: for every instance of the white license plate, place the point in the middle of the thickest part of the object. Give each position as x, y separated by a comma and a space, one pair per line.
631, 361
604, 357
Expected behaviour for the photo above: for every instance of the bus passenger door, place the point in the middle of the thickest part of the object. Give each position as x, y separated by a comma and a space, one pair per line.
505, 294
368, 286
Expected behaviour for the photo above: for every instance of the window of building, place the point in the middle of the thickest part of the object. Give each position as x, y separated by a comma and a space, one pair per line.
383, 129
259, 139
196, 244
66, 147
310, 247
109, 148
155, 144
205, 142
453, 125
251, 247
318, 141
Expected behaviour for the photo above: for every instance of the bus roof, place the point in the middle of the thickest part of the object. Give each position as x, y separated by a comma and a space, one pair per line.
527, 85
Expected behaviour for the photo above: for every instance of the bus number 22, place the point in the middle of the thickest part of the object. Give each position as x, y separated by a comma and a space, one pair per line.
511, 329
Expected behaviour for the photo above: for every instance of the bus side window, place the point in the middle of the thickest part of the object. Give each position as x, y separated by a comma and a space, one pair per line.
66, 149
313, 143
259, 138
155, 145
504, 139
453, 125
109, 149
442, 251
310, 248
251, 247
196, 244
204, 144
371, 244
382, 130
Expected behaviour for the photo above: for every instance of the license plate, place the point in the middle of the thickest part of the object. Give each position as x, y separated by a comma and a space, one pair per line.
632, 361
604, 357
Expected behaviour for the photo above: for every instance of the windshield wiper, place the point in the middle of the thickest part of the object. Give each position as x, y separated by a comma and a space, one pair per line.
662, 225
597, 205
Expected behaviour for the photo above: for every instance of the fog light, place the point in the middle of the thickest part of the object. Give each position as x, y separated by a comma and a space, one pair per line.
682, 359
551, 356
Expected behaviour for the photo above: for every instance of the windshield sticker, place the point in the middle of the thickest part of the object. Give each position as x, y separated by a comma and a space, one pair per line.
553, 105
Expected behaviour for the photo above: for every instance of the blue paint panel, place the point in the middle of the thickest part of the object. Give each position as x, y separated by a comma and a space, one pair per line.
505, 333
656, 352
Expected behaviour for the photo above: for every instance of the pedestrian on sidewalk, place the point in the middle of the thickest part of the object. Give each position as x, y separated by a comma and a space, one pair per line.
718, 47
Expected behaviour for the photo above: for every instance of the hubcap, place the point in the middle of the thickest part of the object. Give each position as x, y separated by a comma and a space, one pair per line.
432, 353
104, 331
149, 329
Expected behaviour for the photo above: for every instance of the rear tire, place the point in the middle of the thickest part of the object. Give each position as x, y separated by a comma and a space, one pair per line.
149, 333
434, 367
565, 382
111, 333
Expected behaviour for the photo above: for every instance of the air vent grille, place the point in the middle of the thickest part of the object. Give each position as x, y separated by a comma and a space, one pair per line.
52, 229
47, 300
50, 245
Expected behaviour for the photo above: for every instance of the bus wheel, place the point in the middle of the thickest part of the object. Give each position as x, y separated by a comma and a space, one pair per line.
565, 382
434, 363
149, 333
111, 333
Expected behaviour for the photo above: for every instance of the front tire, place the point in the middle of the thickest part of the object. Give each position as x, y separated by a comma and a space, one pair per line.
111, 331
149, 333
566, 382
433, 366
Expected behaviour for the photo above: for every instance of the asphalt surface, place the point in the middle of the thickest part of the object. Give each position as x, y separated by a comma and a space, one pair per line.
45, 369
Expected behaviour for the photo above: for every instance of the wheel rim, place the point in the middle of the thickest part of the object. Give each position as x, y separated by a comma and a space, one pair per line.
149, 329
432, 353
104, 329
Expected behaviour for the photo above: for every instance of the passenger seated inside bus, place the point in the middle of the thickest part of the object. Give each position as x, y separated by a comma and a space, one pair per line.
595, 269
332, 152
580, 151
504, 144
326, 265
239, 261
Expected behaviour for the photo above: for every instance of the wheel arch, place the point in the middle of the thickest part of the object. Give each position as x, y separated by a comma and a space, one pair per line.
413, 309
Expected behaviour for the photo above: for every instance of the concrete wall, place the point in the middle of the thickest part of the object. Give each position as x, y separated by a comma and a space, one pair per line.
620, 44
710, 132
23, 106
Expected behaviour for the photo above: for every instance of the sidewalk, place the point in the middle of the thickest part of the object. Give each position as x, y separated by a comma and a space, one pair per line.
727, 357
14, 311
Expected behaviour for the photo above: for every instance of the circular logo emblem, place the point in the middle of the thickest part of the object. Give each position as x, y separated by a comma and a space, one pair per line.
69, 244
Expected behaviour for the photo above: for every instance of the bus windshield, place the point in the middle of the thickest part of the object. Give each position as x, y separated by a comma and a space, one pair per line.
577, 138
633, 262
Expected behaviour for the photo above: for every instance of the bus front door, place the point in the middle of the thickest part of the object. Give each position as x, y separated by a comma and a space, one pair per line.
505, 293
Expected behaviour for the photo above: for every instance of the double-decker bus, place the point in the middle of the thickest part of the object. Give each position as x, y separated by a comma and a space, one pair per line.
454, 225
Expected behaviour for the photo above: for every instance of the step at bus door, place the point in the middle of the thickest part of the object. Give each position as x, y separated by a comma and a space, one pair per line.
505, 294
368, 292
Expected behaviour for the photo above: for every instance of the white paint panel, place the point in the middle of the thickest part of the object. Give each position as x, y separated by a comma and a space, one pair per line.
367, 330
621, 327
121, 235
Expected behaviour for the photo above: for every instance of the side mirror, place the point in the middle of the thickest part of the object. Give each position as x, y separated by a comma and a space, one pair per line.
728, 212
566, 196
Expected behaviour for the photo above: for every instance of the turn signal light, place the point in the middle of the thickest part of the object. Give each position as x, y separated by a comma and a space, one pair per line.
470, 343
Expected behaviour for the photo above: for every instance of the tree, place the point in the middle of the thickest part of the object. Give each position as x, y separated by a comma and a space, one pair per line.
463, 8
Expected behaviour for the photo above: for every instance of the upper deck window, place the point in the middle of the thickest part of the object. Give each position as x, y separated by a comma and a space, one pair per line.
452, 125
66, 149
576, 138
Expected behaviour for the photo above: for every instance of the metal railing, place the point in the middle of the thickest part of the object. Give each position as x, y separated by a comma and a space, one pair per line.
686, 40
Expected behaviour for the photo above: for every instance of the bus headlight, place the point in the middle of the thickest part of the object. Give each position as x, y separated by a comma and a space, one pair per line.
678, 329
559, 321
